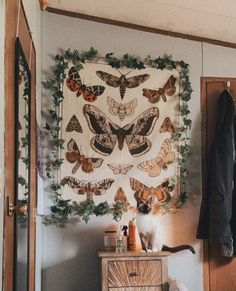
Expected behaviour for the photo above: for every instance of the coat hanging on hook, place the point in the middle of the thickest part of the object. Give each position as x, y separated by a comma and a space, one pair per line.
217, 221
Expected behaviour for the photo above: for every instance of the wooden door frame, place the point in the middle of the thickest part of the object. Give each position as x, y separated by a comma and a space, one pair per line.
204, 81
26, 41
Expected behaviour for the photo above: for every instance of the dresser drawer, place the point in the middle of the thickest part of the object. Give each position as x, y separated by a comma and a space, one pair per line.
157, 288
132, 273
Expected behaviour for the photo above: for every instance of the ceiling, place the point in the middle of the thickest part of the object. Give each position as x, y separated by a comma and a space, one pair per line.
204, 18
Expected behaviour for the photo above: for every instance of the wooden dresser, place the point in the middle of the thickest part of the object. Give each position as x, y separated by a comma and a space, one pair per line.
134, 271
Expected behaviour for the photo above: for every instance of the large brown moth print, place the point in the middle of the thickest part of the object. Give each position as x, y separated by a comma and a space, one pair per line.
74, 156
107, 133
168, 89
87, 188
161, 192
120, 168
74, 83
167, 126
122, 82
74, 125
122, 110
164, 158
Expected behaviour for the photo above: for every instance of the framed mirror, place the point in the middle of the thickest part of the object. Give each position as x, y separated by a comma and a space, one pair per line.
22, 168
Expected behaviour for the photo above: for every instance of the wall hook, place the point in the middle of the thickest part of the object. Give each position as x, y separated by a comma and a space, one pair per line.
228, 85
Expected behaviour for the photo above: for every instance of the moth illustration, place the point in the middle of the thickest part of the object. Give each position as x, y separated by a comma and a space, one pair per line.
74, 125
120, 168
122, 82
85, 187
164, 158
161, 192
120, 195
167, 126
74, 156
168, 89
74, 83
122, 110
107, 133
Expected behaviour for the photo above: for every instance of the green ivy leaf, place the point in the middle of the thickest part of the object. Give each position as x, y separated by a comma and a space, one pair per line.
184, 109
101, 209
185, 151
187, 122
55, 186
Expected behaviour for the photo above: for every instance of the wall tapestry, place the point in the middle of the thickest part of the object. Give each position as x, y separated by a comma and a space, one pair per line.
116, 124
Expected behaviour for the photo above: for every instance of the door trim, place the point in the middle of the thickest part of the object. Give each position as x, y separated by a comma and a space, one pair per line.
26, 40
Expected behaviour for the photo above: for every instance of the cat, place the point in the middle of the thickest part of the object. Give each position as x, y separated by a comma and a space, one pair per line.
147, 227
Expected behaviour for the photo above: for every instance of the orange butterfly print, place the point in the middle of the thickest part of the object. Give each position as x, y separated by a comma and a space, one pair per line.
164, 158
167, 126
161, 192
74, 156
168, 89
74, 83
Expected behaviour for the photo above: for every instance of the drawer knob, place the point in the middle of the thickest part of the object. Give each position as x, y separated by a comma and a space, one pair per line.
133, 274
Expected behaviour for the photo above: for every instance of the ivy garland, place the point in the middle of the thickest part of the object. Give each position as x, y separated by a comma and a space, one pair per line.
24, 141
62, 209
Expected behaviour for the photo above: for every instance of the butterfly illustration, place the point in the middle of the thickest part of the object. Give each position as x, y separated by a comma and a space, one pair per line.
120, 109
74, 156
167, 126
85, 187
120, 195
120, 168
107, 133
74, 83
168, 89
122, 82
160, 192
164, 158
74, 125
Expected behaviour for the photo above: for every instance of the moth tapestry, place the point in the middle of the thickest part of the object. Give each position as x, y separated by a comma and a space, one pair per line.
122, 131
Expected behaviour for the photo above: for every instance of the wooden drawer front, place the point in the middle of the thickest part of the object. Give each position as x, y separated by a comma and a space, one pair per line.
157, 288
134, 273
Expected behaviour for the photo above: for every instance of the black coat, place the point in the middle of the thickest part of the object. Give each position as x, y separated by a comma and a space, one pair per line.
217, 220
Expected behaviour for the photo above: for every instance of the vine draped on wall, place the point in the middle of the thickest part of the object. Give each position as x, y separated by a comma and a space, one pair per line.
119, 131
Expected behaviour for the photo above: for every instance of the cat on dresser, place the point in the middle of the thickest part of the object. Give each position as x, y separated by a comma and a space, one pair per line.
147, 225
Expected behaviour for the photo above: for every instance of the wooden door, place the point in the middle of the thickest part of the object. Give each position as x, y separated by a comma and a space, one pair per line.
12, 10
219, 272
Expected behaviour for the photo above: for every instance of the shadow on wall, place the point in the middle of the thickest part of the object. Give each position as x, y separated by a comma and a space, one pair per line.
82, 271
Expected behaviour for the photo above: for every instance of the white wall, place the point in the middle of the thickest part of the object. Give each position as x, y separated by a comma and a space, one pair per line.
69, 255
2, 36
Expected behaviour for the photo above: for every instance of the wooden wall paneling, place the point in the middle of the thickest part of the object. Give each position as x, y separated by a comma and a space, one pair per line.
25, 38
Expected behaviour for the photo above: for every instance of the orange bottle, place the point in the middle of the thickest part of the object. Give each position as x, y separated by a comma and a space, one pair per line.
132, 235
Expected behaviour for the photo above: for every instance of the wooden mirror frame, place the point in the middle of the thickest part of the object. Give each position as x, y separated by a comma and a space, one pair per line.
22, 161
